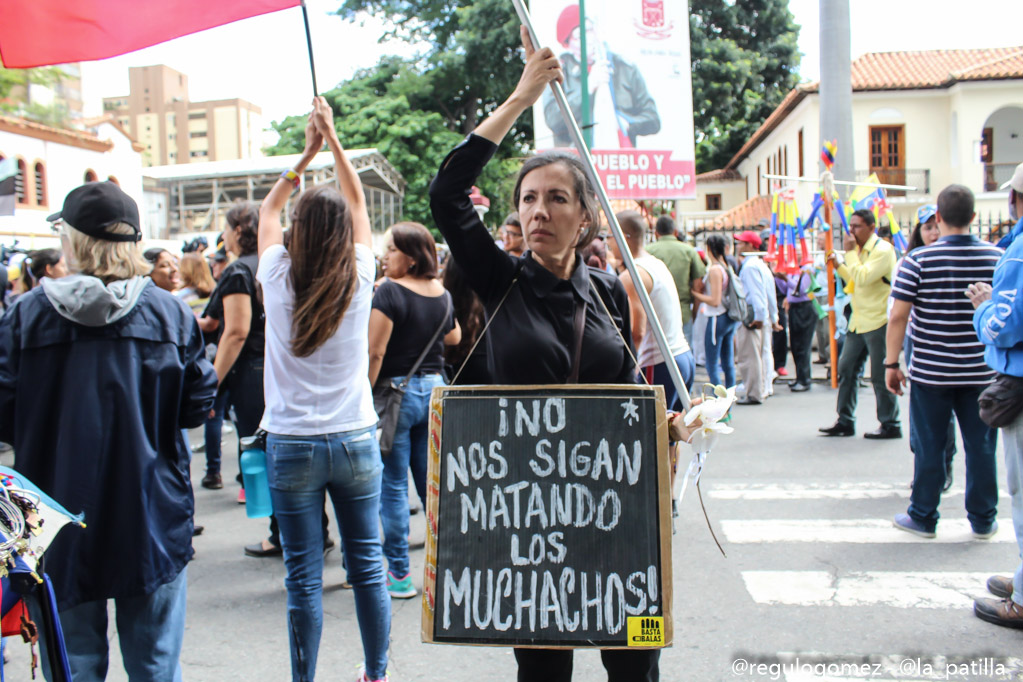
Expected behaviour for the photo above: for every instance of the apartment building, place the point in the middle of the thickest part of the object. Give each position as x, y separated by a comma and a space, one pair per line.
173, 129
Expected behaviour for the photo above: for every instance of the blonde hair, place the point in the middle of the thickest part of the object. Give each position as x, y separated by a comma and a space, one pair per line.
196, 273
106, 260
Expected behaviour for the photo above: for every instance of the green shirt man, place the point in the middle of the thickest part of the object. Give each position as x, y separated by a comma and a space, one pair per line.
683, 262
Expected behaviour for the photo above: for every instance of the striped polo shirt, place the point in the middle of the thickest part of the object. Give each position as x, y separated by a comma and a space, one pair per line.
946, 350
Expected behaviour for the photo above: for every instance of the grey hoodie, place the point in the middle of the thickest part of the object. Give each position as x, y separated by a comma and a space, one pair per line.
85, 300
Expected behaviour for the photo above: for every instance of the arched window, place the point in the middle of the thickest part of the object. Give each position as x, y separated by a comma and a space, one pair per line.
40, 183
19, 183
113, 179
90, 176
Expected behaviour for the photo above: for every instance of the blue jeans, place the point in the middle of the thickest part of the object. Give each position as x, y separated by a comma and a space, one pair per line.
658, 375
950, 447
301, 469
1012, 441
214, 433
150, 630
930, 408
720, 345
409, 450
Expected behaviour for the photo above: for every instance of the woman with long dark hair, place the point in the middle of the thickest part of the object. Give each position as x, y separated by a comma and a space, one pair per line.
553, 318
465, 369
720, 328
409, 308
319, 407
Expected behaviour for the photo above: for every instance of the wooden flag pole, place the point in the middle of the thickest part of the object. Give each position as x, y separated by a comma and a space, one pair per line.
828, 191
616, 230
309, 44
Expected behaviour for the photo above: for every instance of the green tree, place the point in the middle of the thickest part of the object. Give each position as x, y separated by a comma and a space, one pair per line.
414, 111
745, 60
373, 110
14, 95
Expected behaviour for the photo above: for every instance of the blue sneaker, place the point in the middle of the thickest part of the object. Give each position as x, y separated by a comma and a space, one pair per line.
986, 533
400, 588
907, 523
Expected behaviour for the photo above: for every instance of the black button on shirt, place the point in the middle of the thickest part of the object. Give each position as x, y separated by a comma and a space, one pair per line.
531, 339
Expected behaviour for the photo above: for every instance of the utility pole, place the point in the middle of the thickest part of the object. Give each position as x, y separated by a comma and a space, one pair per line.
836, 86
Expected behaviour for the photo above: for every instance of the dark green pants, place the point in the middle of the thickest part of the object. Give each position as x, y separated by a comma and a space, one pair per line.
855, 351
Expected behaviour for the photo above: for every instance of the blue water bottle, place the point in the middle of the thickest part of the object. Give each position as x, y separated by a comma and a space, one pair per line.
257, 486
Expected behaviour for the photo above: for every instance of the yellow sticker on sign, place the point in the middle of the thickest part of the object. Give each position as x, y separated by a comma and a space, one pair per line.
646, 631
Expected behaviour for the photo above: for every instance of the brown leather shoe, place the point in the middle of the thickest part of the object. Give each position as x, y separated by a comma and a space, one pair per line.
212, 481
1000, 586
1004, 612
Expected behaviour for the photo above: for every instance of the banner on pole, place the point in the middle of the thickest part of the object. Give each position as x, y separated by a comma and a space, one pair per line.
641, 102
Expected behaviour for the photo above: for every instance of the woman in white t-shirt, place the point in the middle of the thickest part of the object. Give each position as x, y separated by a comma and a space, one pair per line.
319, 408
720, 328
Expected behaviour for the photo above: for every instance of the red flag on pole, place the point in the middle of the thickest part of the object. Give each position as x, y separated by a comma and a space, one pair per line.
43, 32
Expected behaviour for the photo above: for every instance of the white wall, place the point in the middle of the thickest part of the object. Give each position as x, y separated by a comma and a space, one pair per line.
65, 170
733, 193
943, 131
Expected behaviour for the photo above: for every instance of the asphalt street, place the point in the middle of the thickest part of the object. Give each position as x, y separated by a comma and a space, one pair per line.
814, 577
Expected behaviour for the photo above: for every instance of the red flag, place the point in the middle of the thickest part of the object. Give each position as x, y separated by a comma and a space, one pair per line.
42, 32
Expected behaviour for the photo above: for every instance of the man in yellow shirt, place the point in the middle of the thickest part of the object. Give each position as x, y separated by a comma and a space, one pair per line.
867, 267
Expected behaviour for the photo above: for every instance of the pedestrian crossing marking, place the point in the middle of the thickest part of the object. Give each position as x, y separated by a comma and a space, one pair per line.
821, 491
860, 531
896, 589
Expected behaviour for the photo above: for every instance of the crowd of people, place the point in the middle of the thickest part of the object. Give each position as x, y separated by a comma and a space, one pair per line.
302, 337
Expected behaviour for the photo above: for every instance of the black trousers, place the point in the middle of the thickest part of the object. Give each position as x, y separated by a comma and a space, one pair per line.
802, 325
780, 339
555, 665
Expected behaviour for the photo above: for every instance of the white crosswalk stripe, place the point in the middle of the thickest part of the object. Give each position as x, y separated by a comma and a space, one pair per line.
812, 521
861, 531
823, 491
871, 588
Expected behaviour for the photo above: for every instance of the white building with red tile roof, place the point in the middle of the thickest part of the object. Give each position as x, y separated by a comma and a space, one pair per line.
925, 119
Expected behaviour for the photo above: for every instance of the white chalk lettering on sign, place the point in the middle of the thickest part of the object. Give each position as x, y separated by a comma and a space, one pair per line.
570, 505
556, 511
567, 600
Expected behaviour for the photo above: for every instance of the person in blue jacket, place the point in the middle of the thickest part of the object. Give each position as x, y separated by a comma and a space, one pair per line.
99, 372
999, 324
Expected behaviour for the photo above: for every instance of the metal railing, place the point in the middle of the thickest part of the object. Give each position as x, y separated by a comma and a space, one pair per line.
913, 177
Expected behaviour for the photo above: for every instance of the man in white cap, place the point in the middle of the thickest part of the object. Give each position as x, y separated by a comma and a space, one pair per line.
999, 324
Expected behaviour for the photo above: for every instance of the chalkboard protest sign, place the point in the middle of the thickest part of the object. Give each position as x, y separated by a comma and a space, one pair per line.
548, 517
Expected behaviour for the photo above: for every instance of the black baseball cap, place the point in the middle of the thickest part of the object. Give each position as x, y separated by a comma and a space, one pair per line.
95, 206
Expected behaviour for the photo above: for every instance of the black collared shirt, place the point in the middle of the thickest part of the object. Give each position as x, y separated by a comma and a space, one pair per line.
530, 340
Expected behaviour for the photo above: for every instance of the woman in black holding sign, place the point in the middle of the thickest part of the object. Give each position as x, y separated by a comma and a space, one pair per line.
553, 318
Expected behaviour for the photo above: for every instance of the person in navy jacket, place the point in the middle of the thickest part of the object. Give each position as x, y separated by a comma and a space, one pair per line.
99, 372
998, 321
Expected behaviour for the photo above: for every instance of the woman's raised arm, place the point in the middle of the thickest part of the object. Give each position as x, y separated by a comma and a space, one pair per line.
542, 68
347, 178
270, 230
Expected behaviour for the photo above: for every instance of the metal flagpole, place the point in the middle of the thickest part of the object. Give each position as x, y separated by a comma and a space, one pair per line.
616, 230
309, 44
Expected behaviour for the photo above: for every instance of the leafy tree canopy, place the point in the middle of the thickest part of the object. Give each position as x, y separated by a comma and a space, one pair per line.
14, 95
373, 109
745, 60
414, 111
